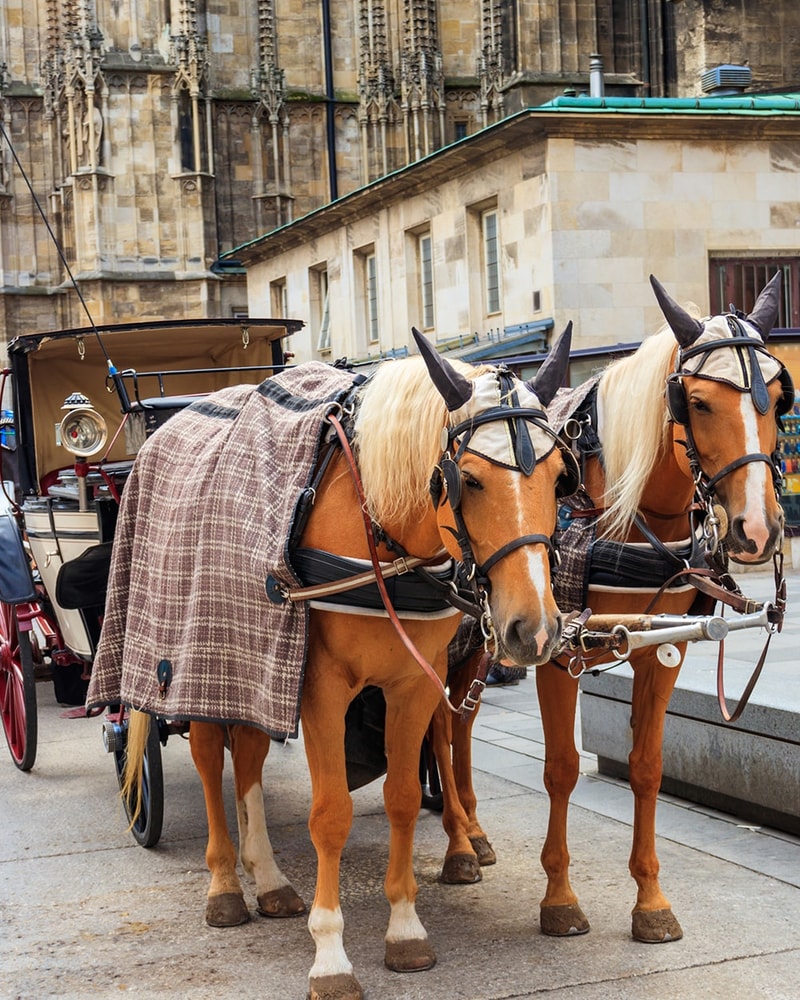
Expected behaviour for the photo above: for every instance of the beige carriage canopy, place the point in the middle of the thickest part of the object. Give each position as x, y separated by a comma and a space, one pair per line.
191, 356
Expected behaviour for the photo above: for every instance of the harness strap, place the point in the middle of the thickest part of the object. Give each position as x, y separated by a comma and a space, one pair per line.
405, 564
373, 552
758, 456
515, 544
776, 616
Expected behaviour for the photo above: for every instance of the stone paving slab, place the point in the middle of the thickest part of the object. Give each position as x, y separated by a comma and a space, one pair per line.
86, 912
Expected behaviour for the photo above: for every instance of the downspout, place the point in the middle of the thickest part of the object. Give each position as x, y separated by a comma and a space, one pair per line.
644, 29
329, 97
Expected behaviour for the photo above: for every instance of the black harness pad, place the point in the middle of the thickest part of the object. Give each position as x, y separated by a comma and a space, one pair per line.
407, 592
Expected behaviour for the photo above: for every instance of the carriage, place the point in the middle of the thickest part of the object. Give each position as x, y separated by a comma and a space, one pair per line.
78, 422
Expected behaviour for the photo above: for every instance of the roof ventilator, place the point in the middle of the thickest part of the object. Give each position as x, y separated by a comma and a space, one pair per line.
721, 81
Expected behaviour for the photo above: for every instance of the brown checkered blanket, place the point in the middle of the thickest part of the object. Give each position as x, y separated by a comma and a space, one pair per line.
205, 517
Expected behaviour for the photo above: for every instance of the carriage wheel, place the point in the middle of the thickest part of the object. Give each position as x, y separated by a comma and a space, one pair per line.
147, 828
17, 689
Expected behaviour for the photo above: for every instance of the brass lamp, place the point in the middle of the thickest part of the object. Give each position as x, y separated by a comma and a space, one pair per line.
83, 430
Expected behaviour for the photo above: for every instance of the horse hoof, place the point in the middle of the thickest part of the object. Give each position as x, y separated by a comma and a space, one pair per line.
563, 921
461, 869
409, 956
484, 850
227, 909
283, 902
655, 926
339, 987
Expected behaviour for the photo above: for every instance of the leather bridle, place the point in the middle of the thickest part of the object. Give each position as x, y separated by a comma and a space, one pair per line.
705, 486
447, 487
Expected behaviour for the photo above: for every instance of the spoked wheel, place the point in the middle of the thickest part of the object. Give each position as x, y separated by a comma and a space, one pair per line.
17, 689
146, 829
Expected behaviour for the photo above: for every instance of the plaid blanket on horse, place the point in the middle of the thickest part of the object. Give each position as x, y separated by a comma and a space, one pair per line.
206, 516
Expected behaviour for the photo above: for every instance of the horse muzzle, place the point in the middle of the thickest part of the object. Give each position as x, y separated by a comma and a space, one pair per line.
529, 642
753, 544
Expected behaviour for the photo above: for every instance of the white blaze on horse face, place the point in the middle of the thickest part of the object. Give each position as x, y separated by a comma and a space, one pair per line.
326, 928
538, 563
754, 514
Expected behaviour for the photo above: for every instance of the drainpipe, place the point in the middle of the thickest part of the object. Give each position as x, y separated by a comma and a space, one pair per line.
596, 83
331, 125
644, 28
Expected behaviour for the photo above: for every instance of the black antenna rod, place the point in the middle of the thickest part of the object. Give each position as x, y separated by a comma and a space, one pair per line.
112, 371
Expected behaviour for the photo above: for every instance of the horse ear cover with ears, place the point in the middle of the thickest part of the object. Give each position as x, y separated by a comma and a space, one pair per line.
550, 377
765, 312
685, 327
454, 389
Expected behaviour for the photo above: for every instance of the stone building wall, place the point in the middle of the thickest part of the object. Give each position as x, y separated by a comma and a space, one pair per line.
160, 134
587, 208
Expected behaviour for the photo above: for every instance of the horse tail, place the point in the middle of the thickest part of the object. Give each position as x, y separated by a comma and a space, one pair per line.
131, 786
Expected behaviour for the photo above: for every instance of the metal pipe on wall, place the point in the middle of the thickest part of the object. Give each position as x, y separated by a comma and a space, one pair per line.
329, 97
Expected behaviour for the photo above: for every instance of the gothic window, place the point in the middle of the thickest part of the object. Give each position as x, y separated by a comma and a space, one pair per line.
185, 131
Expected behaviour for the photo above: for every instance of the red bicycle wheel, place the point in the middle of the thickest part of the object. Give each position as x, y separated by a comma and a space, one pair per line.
17, 689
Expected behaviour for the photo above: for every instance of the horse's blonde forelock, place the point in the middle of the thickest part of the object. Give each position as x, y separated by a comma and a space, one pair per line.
398, 427
635, 428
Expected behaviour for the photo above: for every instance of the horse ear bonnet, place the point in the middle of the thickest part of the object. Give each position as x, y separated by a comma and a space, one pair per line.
688, 331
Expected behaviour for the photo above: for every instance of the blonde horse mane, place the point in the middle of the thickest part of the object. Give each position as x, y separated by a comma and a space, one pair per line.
635, 425
398, 427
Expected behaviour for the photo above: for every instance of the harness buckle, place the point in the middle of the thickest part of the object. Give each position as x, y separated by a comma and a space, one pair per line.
473, 697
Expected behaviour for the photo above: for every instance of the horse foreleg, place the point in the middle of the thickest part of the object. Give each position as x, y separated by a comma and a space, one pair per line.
560, 913
460, 682
225, 906
276, 898
322, 713
652, 920
408, 713
461, 864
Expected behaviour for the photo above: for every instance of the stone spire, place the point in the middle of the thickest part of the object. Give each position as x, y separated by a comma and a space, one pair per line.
422, 79
490, 62
376, 89
271, 167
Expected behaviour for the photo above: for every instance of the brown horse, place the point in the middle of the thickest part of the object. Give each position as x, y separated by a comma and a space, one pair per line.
496, 470
687, 424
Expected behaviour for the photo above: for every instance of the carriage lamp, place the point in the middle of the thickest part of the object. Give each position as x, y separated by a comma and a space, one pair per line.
83, 430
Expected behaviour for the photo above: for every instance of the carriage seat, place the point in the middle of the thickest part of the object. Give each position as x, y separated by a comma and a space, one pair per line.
159, 409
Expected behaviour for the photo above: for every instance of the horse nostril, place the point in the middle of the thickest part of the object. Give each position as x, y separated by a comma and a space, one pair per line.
739, 535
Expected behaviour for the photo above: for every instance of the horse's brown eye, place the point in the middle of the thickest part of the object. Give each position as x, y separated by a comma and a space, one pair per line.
471, 482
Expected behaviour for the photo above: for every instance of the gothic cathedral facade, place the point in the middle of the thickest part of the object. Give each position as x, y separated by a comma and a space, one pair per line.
143, 139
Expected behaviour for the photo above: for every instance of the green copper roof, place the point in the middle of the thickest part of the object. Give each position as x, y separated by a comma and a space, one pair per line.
756, 104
